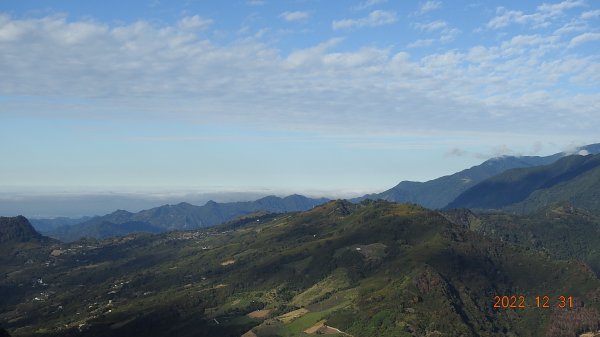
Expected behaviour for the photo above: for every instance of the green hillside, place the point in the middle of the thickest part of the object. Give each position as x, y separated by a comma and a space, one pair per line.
561, 231
439, 192
582, 191
571, 178
369, 269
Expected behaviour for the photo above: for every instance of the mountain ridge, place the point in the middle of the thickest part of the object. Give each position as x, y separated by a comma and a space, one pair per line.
515, 188
180, 216
439, 192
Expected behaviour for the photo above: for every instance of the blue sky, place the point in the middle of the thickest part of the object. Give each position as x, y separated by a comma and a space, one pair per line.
329, 98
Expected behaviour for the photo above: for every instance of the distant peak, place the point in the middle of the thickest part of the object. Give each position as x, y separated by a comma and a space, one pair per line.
295, 196
269, 197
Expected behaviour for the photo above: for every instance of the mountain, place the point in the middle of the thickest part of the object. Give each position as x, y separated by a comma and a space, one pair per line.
179, 217
47, 225
573, 178
562, 231
368, 269
17, 229
582, 191
103, 230
439, 192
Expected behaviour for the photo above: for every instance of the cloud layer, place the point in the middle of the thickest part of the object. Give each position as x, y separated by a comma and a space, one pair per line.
374, 19
89, 69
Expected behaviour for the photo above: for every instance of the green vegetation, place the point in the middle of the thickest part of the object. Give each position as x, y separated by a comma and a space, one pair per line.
573, 178
369, 269
562, 232
439, 192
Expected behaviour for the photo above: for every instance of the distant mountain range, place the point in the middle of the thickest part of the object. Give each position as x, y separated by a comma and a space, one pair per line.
438, 193
575, 179
480, 186
47, 225
182, 216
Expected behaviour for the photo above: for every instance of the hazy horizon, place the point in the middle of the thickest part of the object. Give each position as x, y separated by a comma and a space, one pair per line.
287, 97
74, 202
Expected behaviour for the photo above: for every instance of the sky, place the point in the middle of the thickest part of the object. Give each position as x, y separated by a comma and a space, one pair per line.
328, 98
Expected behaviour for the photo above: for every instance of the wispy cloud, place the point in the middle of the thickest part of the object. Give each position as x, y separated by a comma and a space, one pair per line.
429, 6
497, 151
194, 22
312, 55
374, 19
571, 27
294, 16
559, 8
431, 26
590, 14
447, 34
144, 71
540, 18
369, 4
421, 43
456, 152
583, 38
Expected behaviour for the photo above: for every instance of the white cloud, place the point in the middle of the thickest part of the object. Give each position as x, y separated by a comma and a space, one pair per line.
542, 17
295, 16
583, 152
194, 22
590, 14
421, 43
448, 59
583, 38
480, 54
521, 44
431, 5
309, 56
570, 27
55, 67
374, 19
559, 8
369, 3
431, 26
507, 17
447, 34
